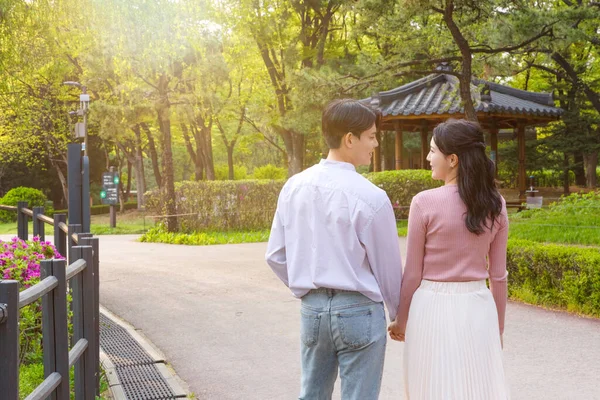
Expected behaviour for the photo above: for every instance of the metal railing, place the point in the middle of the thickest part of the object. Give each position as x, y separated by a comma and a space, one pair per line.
57, 277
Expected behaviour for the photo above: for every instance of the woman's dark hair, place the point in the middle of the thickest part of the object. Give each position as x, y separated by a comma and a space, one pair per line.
476, 185
343, 116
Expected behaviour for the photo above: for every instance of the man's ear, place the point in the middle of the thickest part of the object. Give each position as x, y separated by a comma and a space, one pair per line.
347, 139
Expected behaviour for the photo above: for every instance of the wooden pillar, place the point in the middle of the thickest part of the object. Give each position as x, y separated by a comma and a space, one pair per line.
522, 181
399, 144
424, 147
377, 155
494, 146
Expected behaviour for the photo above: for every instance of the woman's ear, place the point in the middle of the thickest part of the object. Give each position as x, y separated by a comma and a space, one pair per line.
453, 160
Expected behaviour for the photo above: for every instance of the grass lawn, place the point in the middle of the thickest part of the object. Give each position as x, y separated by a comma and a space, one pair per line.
129, 222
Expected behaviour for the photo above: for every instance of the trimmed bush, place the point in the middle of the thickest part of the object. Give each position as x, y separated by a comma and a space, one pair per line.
250, 204
33, 197
401, 186
222, 205
269, 171
555, 275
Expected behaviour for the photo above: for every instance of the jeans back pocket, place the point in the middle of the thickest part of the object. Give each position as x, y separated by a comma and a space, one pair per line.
355, 328
309, 327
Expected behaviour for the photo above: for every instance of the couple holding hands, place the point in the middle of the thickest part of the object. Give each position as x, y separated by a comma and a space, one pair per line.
334, 243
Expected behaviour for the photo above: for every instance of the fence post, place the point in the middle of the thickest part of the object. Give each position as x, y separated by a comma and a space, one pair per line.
88, 322
22, 221
76, 253
38, 226
60, 238
85, 194
73, 228
9, 340
61, 330
48, 318
74, 181
95, 243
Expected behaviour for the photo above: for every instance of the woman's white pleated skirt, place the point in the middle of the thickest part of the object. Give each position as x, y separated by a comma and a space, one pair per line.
452, 349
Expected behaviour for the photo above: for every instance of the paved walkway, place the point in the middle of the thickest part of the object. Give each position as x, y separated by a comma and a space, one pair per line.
230, 328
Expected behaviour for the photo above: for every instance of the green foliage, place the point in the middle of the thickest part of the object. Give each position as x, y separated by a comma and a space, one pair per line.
269, 171
158, 234
222, 172
33, 197
575, 219
221, 205
401, 186
555, 275
30, 377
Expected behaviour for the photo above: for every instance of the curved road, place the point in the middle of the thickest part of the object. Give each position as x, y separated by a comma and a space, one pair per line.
230, 329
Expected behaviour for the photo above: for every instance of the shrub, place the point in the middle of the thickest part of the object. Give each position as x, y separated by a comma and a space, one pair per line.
20, 260
222, 172
401, 186
555, 275
33, 197
269, 171
221, 205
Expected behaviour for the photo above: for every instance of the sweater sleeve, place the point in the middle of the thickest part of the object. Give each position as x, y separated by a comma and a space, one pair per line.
497, 267
413, 269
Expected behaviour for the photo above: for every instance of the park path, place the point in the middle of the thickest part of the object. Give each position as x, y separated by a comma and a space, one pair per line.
230, 329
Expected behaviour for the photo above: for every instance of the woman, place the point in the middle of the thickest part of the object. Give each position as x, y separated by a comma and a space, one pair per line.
457, 238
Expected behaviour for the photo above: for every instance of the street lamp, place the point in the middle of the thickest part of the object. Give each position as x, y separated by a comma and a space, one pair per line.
84, 104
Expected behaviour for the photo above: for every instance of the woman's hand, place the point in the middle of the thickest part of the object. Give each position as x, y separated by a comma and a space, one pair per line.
395, 332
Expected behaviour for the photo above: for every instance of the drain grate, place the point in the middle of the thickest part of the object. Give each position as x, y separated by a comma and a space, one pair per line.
119, 346
138, 375
143, 382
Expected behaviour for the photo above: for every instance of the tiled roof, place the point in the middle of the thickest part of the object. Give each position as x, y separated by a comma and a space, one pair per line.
439, 94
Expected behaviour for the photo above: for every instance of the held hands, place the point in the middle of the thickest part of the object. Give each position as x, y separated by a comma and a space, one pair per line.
395, 332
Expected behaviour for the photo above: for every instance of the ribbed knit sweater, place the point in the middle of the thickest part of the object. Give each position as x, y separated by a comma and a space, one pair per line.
441, 248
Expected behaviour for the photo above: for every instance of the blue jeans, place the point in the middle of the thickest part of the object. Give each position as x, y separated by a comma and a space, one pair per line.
346, 330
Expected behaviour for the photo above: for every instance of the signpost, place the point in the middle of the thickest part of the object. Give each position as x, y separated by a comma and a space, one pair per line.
110, 193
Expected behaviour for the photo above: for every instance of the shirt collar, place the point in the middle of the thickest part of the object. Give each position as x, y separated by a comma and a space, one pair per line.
337, 164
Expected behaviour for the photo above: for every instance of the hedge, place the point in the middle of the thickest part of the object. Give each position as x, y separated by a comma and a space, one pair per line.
221, 205
250, 204
555, 275
401, 186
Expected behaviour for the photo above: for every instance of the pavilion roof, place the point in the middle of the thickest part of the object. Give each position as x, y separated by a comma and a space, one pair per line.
438, 95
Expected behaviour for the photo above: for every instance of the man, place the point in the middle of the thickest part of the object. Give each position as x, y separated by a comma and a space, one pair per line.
334, 243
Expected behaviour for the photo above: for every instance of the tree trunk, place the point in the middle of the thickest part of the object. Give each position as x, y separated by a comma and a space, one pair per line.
579, 170
140, 179
566, 190
466, 72
128, 189
209, 165
163, 110
591, 163
294, 145
153, 155
230, 162
63, 183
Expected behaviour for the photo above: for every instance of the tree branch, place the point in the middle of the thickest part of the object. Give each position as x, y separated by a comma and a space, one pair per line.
545, 31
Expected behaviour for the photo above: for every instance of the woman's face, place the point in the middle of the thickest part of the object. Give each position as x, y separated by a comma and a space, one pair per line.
441, 164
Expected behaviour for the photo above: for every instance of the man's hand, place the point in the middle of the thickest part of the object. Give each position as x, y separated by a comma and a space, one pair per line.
395, 333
